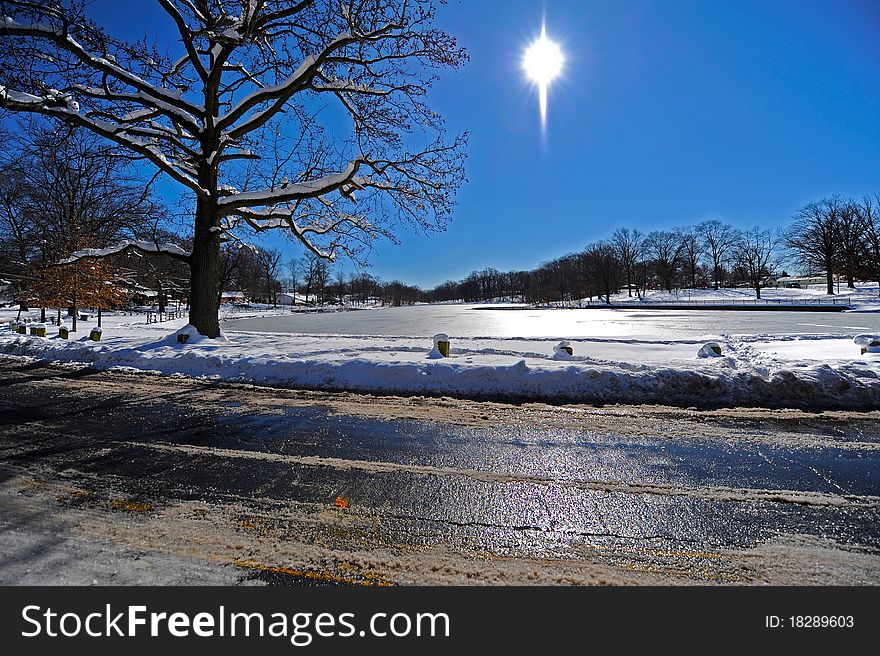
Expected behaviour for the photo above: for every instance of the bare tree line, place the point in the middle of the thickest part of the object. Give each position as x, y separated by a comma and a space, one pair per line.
834, 237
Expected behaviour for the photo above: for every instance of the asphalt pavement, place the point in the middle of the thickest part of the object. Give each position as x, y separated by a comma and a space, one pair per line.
131, 478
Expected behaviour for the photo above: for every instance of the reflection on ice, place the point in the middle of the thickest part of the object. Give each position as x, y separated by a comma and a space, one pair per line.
478, 321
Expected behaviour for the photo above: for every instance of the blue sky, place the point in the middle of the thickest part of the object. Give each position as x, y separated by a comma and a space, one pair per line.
668, 112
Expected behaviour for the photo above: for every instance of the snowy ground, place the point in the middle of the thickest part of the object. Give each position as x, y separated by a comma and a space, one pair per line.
863, 298
814, 365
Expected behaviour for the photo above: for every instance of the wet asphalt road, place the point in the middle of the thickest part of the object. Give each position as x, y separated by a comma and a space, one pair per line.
518, 488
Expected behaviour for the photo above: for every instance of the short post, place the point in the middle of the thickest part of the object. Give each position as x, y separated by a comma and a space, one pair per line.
563, 347
63, 332
22, 328
709, 350
95, 334
38, 329
868, 343
441, 344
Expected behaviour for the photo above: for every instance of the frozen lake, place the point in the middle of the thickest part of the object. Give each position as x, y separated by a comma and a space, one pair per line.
480, 321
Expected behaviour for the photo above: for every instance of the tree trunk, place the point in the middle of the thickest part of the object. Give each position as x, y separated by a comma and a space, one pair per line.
829, 279
205, 271
758, 292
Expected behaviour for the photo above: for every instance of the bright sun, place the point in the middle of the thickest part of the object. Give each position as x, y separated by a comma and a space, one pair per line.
543, 62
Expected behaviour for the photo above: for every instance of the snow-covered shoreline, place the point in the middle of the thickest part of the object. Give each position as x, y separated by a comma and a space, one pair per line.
819, 371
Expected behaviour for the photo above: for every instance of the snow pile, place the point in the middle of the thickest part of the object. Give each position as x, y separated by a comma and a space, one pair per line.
563, 351
190, 336
804, 371
871, 343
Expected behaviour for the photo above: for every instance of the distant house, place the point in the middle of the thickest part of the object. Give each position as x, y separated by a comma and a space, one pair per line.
140, 295
291, 298
233, 297
802, 282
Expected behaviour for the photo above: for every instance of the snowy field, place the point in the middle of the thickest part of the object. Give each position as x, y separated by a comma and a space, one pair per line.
789, 359
864, 297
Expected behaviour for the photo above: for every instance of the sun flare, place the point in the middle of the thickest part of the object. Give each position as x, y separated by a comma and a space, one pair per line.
543, 63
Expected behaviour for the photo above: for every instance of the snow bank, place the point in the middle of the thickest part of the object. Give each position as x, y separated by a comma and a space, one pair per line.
810, 372
865, 297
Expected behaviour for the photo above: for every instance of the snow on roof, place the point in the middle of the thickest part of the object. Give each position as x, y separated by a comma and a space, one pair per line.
144, 246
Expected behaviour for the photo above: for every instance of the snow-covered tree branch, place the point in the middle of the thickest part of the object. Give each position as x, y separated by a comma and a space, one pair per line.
145, 247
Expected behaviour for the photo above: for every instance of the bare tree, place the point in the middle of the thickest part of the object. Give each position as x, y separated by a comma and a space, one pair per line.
340, 281
813, 238
717, 239
19, 244
868, 213
662, 247
294, 270
269, 260
629, 246
232, 115
754, 254
603, 268
315, 272
363, 285
62, 191
691, 250
231, 258
850, 245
